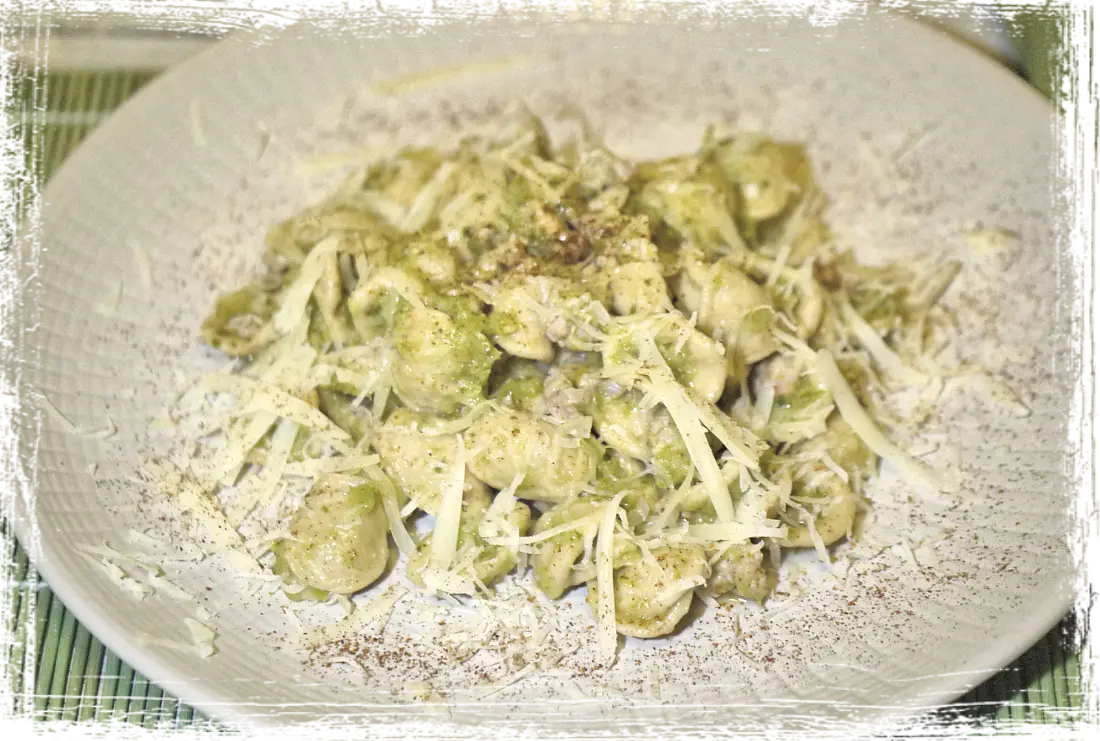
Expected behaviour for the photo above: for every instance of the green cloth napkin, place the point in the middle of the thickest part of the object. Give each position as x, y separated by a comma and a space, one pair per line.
1058, 42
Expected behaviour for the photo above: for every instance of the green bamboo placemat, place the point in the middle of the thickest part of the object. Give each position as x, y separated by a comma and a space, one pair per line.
76, 678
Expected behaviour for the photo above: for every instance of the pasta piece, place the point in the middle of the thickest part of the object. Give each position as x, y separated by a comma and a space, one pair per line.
652, 597
744, 570
420, 464
505, 443
338, 539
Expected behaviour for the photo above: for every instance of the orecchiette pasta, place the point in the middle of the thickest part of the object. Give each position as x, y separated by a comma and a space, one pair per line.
440, 365
744, 570
638, 287
653, 595
507, 443
419, 463
516, 328
338, 540
555, 558
621, 420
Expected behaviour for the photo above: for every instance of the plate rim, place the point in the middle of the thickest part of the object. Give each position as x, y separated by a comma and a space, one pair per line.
193, 691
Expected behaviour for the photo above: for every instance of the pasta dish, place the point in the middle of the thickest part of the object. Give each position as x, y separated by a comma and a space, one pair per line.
649, 378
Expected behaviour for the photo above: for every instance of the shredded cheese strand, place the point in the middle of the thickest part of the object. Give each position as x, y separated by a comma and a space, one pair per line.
860, 421
445, 536
229, 462
886, 358
258, 397
398, 530
297, 295
335, 464
608, 634
578, 524
737, 532
691, 429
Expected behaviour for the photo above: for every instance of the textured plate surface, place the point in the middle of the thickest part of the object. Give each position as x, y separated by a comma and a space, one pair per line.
909, 133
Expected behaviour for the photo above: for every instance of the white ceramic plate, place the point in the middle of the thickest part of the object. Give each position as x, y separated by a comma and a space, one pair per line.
914, 137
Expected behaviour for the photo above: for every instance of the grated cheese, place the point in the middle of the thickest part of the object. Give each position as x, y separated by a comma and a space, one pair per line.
119, 577
259, 490
244, 564
990, 239
311, 166
886, 358
227, 464
430, 697
832, 465
509, 680
815, 537
779, 265
672, 504
172, 481
297, 295
605, 580
762, 409
994, 390
400, 534
145, 539
445, 534
496, 522
361, 671
202, 635
706, 598
691, 429
737, 532
163, 586
856, 416
334, 464
294, 620
426, 201
107, 430
447, 583
906, 551
430, 78
352, 625
578, 524
261, 398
